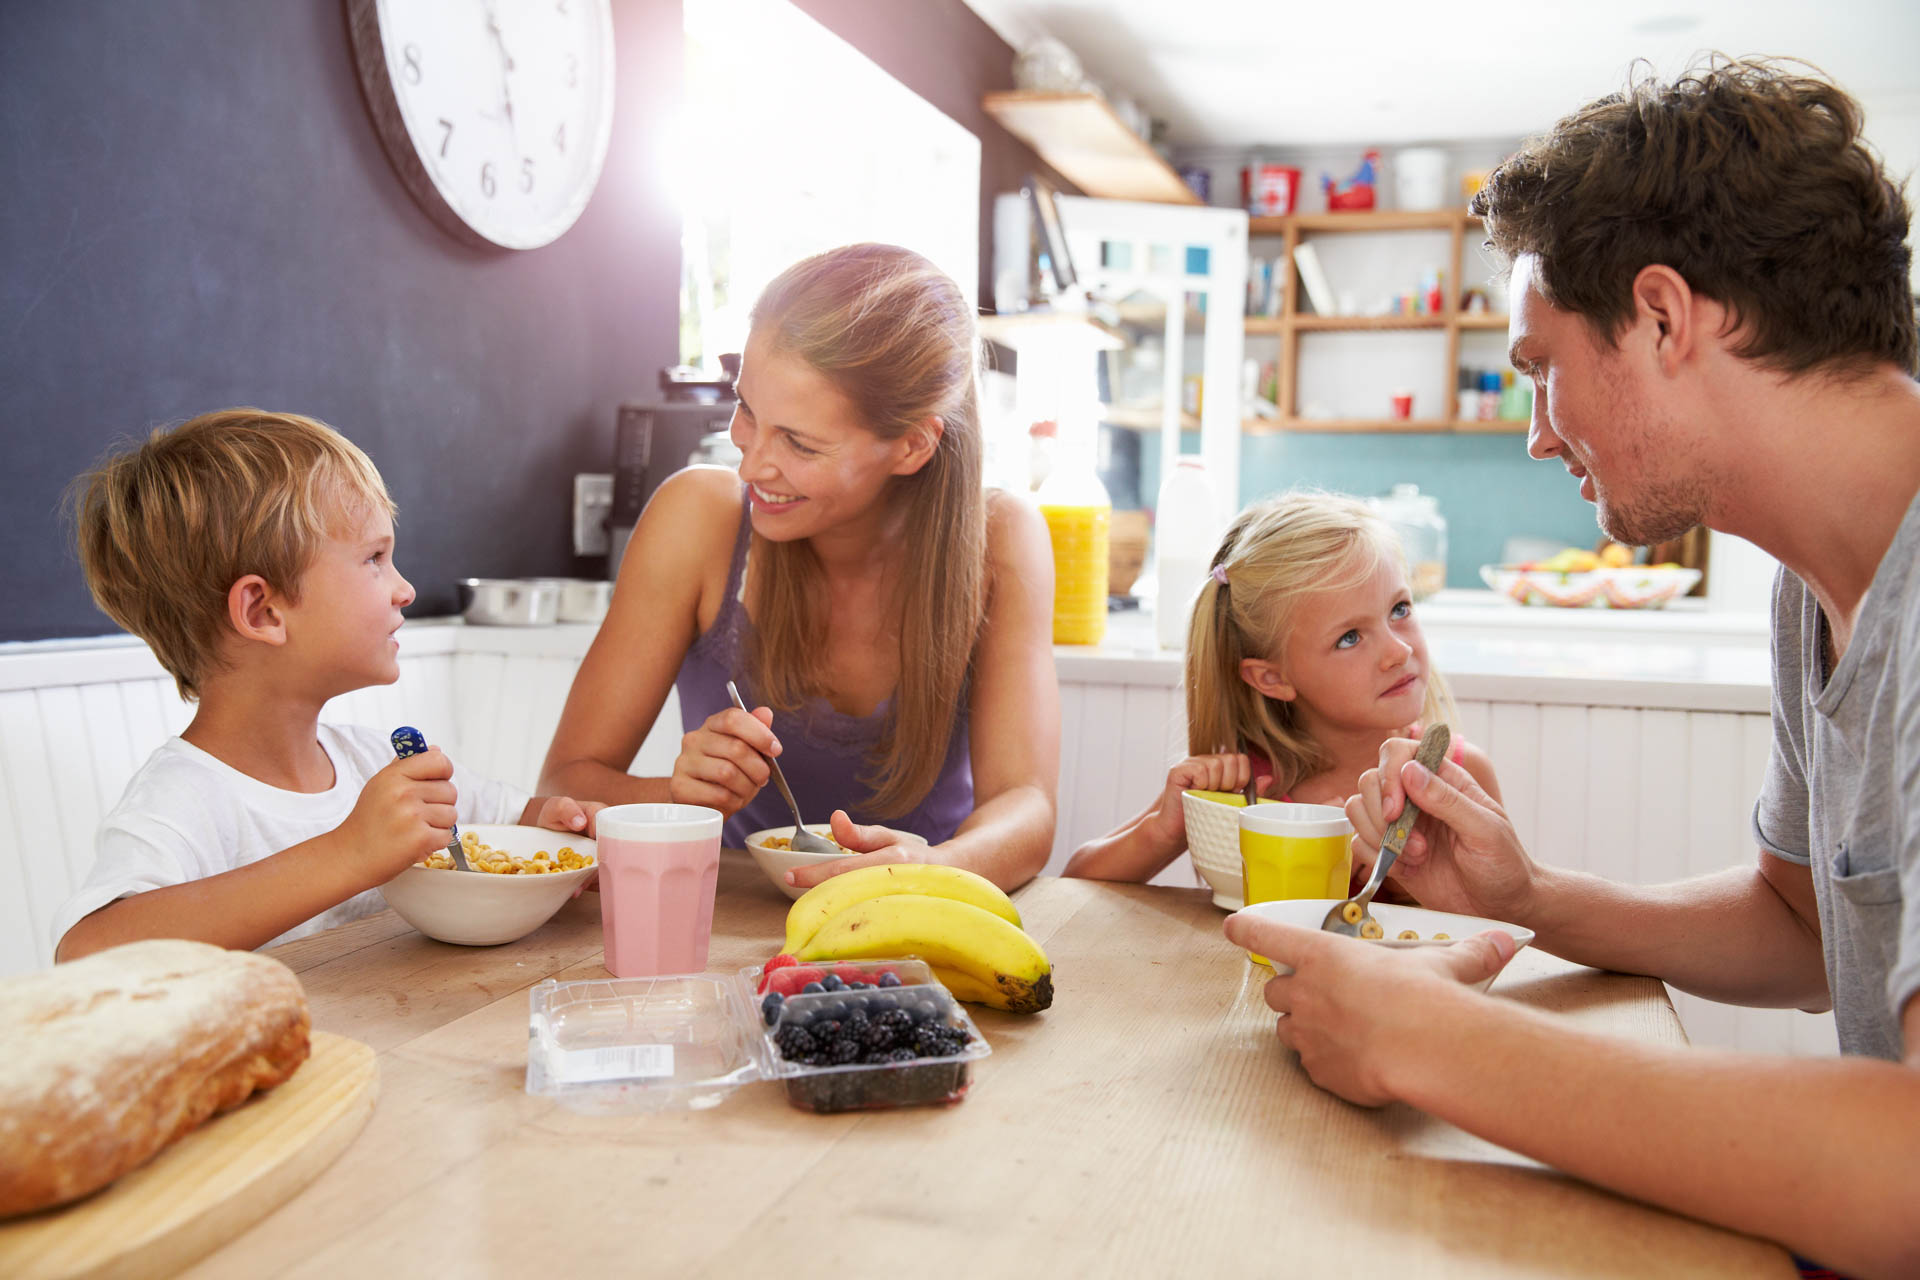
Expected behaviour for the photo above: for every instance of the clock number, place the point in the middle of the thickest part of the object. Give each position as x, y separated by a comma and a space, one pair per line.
526, 174
446, 137
573, 71
487, 187
560, 138
411, 69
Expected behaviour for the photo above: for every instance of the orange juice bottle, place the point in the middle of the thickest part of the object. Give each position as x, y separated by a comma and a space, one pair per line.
1078, 514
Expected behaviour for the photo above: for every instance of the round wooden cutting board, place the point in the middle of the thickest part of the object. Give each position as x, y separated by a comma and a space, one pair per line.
209, 1186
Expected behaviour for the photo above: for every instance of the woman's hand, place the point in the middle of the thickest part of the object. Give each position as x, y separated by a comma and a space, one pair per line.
723, 763
1463, 854
871, 846
1229, 771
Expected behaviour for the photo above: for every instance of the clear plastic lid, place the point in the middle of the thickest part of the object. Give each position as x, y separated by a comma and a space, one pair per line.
686, 1041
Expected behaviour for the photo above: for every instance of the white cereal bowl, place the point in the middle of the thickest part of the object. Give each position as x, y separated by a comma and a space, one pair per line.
479, 909
1307, 913
1213, 837
777, 862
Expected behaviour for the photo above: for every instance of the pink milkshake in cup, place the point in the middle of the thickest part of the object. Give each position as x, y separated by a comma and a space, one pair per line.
658, 864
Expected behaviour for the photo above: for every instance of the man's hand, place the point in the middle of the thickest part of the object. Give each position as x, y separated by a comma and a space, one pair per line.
404, 813
1462, 855
1346, 1006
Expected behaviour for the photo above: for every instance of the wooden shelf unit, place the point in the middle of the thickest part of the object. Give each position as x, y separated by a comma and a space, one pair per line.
1084, 141
1292, 322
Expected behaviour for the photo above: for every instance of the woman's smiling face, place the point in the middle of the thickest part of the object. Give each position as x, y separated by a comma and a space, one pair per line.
809, 462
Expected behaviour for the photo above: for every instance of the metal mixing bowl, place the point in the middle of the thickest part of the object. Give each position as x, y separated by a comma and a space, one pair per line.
509, 602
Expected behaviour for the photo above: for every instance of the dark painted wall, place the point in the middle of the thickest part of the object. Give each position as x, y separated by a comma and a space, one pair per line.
198, 213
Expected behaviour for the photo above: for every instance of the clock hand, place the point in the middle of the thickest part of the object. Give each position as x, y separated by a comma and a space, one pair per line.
506, 68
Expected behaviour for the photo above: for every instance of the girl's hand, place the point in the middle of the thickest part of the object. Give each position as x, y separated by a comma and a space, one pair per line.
1225, 772
723, 763
871, 846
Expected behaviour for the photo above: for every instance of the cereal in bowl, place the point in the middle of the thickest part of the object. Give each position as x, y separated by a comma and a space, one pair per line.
482, 856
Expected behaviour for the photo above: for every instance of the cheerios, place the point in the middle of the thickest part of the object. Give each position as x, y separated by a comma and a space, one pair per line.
482, 856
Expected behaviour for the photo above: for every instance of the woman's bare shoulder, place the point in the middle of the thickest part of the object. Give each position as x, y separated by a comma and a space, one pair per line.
1015, 531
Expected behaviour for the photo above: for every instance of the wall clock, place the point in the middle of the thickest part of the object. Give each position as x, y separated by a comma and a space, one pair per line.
495, 112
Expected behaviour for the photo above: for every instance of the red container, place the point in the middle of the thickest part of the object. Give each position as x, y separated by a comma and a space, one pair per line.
1269, 190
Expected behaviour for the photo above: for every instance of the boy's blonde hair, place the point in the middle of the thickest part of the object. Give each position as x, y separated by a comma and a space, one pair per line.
1275, 553
167, 527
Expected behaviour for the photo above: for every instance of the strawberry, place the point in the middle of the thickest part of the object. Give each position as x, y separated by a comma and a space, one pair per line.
782, 961
789, 980
850, 973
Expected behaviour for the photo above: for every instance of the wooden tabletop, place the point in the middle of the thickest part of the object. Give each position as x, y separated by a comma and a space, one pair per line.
1148, 1124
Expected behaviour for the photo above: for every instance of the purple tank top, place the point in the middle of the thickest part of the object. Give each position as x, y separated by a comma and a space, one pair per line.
826, 750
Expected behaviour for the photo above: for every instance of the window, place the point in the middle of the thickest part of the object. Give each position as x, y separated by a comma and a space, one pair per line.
795, 142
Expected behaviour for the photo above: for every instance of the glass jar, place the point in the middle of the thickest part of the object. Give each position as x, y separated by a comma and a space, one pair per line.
1416, 517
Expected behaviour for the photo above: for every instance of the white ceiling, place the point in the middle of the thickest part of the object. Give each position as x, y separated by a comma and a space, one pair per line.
1234, 74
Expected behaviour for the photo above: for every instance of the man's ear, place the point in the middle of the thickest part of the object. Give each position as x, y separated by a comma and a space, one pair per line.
1266, 678
253, 610
1663, 298
921, 444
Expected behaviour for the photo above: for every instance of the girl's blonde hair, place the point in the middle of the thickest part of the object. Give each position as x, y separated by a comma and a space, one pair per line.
1275, 553
897, 338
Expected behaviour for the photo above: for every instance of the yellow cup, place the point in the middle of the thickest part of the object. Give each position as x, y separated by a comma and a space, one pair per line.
1294, 851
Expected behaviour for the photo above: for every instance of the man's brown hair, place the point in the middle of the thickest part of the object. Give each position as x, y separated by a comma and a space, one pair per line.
1750, 178
166, 527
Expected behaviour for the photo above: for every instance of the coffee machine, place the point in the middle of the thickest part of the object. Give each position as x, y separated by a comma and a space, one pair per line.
654, 438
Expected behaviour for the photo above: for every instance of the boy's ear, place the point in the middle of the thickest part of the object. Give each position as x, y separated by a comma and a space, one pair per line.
253, 609
921, 444
1266, 678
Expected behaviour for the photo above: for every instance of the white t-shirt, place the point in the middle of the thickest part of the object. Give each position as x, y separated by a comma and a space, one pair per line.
186, 816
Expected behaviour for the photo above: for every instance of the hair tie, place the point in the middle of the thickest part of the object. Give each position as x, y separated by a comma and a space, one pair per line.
1219, 574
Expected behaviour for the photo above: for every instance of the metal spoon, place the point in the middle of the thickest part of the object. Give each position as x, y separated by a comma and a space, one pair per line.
409, 741
1352, 917
804, 841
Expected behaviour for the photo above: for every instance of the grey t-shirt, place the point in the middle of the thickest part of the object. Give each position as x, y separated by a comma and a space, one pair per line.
1842, 790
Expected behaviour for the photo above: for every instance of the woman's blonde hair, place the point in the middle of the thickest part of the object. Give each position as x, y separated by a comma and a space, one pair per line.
167, 526
897, 338
1275, 553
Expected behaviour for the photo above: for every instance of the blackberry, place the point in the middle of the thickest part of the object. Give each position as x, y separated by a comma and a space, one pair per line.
879, 1037
826, 1029
770, 1007
794, 1042
856, 1024
889, 979
902, 1055
817, 1060
878, 1057
843, 1051
897, 1021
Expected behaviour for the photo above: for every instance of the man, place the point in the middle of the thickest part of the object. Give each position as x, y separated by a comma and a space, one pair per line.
1710, 291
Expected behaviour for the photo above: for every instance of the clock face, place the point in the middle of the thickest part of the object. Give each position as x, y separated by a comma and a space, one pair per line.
496, 112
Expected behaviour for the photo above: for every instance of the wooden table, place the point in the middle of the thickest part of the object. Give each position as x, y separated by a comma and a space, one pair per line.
1148, 1124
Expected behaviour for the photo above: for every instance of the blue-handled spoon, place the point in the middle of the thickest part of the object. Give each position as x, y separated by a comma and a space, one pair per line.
409, 741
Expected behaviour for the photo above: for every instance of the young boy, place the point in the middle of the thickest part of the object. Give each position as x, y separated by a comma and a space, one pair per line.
253, 552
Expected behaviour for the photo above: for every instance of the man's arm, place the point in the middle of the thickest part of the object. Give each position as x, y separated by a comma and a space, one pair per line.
1816, 1153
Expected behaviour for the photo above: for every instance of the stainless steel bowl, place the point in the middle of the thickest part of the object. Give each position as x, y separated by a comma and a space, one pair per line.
583, 599
509, 602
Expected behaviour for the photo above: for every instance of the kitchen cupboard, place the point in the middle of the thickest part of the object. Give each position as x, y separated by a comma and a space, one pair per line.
1640, 779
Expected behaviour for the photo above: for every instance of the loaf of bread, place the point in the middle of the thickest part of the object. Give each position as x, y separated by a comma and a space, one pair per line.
110, 1058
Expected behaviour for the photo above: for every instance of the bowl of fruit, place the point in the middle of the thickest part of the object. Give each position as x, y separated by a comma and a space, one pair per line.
1579, 579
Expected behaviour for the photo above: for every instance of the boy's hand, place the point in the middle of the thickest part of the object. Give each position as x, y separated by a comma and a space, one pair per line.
404, 813
1227, 772
564, 813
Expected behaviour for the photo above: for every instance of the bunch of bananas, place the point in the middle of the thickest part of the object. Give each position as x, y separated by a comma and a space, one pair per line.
960, 923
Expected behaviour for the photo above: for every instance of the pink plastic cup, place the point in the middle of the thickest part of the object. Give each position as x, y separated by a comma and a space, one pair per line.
658, 865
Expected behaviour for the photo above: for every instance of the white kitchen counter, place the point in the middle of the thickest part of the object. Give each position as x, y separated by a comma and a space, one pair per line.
1682, 658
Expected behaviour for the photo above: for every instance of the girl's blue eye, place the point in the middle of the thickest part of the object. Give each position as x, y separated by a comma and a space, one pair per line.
1347, 641
1403, 609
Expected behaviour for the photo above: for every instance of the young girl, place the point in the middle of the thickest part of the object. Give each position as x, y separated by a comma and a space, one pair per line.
1303, 656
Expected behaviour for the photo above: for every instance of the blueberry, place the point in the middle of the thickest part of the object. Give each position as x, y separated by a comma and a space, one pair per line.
797, 1018
812, 989
889, 979
859, 986
832, 982
770, 1007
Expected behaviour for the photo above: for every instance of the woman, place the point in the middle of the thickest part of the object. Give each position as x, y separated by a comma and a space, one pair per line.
854, 577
